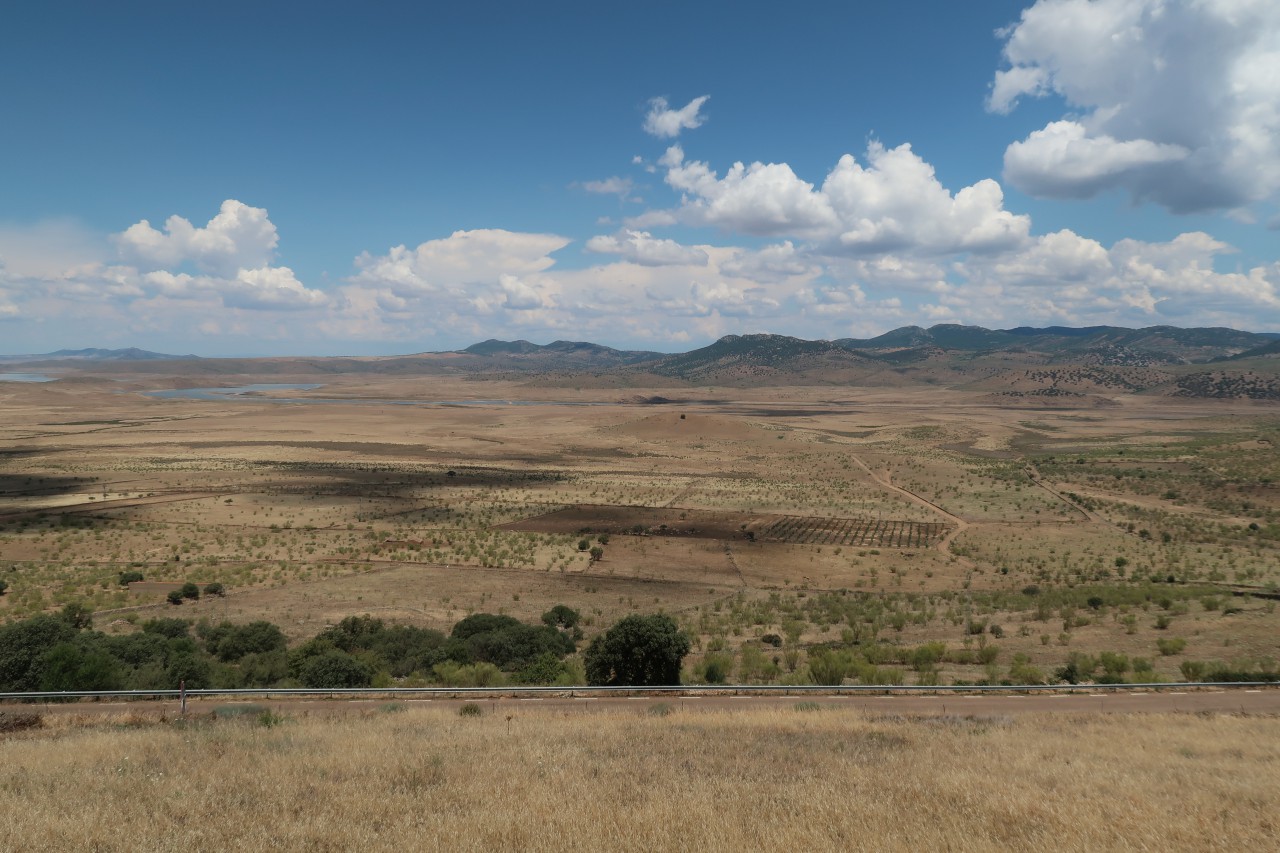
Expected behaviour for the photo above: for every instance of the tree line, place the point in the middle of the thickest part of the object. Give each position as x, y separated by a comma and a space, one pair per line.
64, 652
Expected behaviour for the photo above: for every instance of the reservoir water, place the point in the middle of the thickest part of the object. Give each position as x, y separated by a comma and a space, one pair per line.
257, 392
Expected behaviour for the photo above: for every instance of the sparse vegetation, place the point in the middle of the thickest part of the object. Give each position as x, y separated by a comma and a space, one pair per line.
859, 541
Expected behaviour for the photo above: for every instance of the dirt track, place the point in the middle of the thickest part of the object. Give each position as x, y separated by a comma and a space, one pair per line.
1247, 701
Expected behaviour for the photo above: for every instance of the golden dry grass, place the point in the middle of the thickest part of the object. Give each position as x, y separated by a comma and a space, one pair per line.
634, 780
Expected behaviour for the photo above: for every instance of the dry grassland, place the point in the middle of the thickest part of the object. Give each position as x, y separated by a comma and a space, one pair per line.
311, 511
662, 778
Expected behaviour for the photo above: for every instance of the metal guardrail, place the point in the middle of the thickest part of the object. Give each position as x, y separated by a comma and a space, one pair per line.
690, 689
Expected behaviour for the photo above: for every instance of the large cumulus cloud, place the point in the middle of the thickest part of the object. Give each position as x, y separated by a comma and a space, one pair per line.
1178, 103
893, 203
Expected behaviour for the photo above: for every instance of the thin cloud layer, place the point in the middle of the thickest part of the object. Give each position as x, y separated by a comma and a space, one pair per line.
1178, 103
640, 247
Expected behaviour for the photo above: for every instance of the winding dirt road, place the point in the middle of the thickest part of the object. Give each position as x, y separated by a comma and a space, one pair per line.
960, 525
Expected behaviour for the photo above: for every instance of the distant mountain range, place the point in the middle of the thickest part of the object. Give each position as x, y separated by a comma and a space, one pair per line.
1048, 362
1152, 345
93, 354
563, 353
1054, 362
1166, 343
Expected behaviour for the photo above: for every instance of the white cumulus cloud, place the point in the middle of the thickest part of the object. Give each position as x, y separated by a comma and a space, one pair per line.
519, 296
463, 258
1176, 102
666, 123
894, 203
1064, 161
238, 237
270, 288
640, 247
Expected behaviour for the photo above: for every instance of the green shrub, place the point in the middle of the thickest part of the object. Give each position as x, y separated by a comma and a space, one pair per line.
269, 719
1079, 667
1168, 646
1114, 663
715, 668
233, 642
829, 667
77, 614
1192, 670
334, 669
470, 709
926, 656
1022, 672
547, 668
638, 650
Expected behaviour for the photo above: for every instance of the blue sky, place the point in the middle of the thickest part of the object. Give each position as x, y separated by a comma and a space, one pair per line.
258, 178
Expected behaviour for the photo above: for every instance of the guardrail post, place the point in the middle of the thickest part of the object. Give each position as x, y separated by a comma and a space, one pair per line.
182, 697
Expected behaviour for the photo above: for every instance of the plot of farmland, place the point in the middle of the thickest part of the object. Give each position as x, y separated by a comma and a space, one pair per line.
709, 524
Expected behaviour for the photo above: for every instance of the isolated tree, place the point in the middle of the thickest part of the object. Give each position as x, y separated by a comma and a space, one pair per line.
190, 590
637, 651
561, 616
215, 588
597, 554
78, 615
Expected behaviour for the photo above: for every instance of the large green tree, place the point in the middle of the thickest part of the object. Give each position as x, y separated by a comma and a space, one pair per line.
638, 651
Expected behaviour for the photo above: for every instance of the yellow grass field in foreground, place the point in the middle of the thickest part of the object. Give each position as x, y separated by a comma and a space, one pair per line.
656, 778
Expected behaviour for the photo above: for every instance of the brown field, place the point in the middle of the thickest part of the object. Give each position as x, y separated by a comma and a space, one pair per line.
730, 526
650, 777
828, 515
